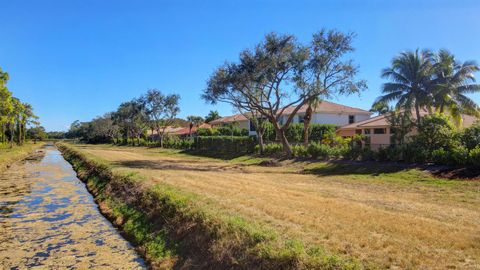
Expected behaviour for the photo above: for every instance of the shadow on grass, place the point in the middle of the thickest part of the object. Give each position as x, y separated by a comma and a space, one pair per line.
349, 168
168, 165
214, 154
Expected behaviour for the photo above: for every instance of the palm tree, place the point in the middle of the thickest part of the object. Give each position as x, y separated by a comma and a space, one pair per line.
212, 115
410, 76
194, 122
380, 108
453, 80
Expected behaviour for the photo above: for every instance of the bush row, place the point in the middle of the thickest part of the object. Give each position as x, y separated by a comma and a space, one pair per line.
222, 131
227, 145
438, 141
294, 132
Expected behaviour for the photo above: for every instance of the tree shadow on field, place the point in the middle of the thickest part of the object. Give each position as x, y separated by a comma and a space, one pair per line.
170, 165
213, 154
363, 168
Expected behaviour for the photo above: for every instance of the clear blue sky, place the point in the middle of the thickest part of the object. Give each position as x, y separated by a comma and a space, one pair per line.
77, 59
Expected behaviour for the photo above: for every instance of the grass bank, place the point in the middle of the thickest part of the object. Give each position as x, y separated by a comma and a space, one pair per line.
9, 155
172, 230
387, 216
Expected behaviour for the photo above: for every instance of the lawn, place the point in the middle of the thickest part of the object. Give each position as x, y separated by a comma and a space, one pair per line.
378, 215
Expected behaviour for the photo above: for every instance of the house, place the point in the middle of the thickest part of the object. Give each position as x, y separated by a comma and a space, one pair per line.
326, 112
378, 132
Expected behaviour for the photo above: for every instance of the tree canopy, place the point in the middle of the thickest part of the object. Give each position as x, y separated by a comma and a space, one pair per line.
281, 73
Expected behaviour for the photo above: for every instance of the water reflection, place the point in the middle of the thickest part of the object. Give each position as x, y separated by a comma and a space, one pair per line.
49, 220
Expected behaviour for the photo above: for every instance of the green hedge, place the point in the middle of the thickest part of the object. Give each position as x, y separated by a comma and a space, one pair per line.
294, 132
228, 145
222, 131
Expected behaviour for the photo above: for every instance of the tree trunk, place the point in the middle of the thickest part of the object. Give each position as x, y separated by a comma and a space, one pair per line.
287, 149
261, 144
306, 124
417, 111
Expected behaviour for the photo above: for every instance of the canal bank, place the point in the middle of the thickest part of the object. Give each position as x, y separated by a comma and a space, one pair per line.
49, 219
178, 229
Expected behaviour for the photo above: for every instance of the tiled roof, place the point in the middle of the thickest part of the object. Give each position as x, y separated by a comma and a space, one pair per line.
329, 107
323, 107
227, 119
381, 120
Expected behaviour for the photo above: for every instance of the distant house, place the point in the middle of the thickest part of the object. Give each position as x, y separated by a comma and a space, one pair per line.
325, 113
177, 131
378, 131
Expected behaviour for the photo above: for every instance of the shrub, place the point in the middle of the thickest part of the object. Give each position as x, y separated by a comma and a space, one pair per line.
352, 153
471, 136
231, 145
299, 151
474, 156
294, 132
207, 132
273, 149
317, 131
382, 154
459, 155
394, 153
440, 156
436, 131
367, 154
318, 150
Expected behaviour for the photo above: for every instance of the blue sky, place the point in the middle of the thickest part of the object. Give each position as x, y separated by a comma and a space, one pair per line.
78, 59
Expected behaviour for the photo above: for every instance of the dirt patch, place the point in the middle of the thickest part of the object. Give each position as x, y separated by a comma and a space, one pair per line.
464, 173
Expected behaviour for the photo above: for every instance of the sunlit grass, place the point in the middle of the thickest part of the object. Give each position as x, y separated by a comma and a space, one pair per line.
386, 216
11, 154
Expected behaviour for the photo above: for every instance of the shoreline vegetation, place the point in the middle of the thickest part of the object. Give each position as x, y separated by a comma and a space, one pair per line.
180, 211
171, 231
9, 155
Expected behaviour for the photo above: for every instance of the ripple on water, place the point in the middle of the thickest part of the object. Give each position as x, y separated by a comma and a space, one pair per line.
48, 219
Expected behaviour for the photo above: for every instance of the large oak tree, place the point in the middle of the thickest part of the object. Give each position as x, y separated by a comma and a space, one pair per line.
280, 75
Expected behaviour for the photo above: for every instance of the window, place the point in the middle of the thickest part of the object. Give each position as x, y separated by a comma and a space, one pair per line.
351, 119
379, 131
366, 131
367, 141
301, 118
252, 126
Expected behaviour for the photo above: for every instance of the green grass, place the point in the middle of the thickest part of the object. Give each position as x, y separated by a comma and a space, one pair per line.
385, 173
8, 154
158, 213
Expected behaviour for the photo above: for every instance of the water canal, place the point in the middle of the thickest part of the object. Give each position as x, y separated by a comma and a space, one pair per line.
49, 220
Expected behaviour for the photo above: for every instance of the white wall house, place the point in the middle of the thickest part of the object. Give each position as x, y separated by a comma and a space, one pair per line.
325, 113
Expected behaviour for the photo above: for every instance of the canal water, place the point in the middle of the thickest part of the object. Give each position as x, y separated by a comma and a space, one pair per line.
49, 220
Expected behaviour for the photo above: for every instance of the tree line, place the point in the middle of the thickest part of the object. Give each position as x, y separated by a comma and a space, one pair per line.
146, 117
15, 116
280, 72
437, 82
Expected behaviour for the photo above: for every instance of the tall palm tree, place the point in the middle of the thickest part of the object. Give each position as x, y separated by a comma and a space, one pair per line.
453, 80
410, 76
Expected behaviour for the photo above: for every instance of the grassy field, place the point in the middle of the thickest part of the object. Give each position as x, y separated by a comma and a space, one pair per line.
388, 217
9, 155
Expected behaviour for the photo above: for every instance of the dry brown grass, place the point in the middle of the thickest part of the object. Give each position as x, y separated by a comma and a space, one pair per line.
404, 219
